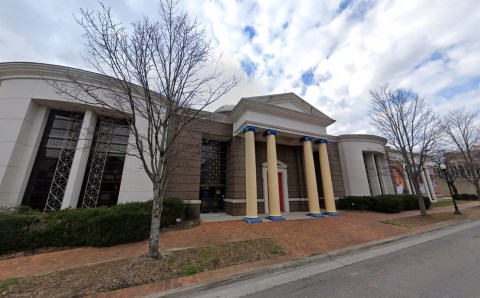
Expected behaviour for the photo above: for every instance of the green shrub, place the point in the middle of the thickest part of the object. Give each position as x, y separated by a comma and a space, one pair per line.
410, 202
102, 226
382, 203
387, 204
173, 208
118, 227
189, 211
16, 230
354, 203
26, 210
427, 202
465, 197
69, 227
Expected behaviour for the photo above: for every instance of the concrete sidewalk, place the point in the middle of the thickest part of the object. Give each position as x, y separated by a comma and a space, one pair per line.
300, 238
279, 276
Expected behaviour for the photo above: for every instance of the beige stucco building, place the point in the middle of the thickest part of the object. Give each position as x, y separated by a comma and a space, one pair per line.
267, 154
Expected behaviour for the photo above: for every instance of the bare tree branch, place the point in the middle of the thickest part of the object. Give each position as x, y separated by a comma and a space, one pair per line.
462, 128
161, 75
412, 128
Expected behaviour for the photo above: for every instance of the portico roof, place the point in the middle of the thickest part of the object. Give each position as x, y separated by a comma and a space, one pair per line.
285, 112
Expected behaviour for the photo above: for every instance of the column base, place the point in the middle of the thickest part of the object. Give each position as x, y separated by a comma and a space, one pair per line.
275, 218
251, 220
316, 215
332, 213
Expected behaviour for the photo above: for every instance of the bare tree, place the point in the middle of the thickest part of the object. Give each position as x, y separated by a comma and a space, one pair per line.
462, 128
161, 76
439, 157
403, 118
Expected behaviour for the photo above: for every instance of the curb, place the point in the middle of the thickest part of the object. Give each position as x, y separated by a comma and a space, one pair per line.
189, 290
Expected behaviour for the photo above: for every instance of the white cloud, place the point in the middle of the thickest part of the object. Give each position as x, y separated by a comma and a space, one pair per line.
431, 47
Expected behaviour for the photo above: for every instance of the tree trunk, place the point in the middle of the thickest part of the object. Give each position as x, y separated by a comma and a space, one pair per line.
155, 225
477, 189
421, 203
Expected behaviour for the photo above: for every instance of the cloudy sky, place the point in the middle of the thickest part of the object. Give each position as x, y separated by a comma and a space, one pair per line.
331, 53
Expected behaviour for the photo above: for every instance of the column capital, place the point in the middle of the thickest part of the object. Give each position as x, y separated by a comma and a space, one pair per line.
250, 128
305, 139
322, 141
270, 132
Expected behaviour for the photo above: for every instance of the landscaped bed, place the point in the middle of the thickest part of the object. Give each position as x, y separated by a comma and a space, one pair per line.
140, 270
418, 220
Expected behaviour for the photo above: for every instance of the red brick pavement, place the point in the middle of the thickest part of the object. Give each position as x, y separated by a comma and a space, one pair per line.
299, 237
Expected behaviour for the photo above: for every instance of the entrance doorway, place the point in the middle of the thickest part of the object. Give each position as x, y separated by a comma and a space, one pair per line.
282, 187
280, 191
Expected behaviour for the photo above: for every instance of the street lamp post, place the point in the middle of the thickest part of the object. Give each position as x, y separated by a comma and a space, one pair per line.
444, 170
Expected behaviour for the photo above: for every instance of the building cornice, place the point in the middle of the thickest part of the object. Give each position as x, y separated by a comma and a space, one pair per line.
361, 137
33, 70
245, 105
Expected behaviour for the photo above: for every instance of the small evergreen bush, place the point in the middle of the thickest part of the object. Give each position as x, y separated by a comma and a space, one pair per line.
354, 203
465, 197
101, 226
387, 204
173, 208
382, 203
16, 230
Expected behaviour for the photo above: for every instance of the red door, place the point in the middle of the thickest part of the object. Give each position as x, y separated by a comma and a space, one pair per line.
280, 191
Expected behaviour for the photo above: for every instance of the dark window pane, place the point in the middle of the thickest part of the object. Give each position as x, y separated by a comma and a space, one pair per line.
212, 175
49, 152
110, 139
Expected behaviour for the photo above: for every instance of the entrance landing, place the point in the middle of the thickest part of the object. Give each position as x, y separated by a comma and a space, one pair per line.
217, 217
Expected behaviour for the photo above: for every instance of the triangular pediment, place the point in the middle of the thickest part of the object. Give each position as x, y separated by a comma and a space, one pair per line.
280, 164
285, 112
289, 101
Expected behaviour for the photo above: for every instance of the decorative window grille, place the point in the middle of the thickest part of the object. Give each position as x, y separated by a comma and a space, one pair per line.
213, 175
68, 146
110, 144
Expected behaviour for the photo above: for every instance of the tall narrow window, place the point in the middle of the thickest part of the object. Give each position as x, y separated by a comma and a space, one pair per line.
368, 175
51, 169
101, 184
213, 173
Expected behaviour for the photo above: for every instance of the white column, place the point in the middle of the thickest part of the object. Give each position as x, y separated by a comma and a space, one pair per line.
79, 163
385, 175
430, 186
372, 174
311, 178
28, 159
407, 180
273, 192
425, 185
327, 184
250, 175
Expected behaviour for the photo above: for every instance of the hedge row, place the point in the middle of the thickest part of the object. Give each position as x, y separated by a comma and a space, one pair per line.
465, 197
102, 226
383, 203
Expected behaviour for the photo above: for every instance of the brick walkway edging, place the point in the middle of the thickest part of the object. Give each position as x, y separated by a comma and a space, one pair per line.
224, 276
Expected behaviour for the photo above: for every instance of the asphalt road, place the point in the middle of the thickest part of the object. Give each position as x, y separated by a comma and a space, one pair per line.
446, 267
444, 263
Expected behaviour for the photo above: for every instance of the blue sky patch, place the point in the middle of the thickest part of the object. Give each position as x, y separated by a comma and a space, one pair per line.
248, 66
472, 84
344, 4
434, 56
358, 9
249, 31
307, 77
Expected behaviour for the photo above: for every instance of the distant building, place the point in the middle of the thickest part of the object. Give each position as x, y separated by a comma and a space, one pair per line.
459, 172
45, 164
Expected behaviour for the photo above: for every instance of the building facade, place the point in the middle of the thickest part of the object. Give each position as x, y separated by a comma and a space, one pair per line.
267, 154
